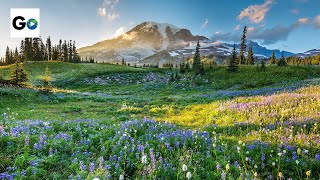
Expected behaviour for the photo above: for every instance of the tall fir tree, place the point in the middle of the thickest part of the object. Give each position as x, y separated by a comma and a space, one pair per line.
65, 51
11, 59
60, 50
243, 46
18, 76
22, 51
282, 61
70, 50
43, 51
49, 48
233, 64
16, 56
76, 57
250, 57
7, 56
196, 66
273, 58
36, 50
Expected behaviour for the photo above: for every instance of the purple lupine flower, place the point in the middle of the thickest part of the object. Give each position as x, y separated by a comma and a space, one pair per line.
82, 166
23, 173
26, 141
101, 160
263, 157
153, 159
108, 167
33, 163
223, 175
317, 157
6, 175
50, 151
37, 146
218, 166
236, 164
92, 167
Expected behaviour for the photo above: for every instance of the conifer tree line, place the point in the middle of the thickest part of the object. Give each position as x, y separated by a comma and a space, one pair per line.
34, 49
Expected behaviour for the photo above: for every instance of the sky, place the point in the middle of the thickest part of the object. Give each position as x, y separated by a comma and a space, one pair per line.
292, 25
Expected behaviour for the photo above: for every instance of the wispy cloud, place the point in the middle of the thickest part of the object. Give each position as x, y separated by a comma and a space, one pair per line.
316, 22
108, 10
295, 11
205, 23
102, 11
256, 13
265, 35
303, 21
237, 27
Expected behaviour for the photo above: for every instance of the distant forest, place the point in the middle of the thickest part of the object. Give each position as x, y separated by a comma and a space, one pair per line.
34, 49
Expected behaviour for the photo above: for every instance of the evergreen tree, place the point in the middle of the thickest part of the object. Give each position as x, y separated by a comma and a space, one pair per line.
197, 61
43, 51
201, 70
49, 48
18, 76
76, 57
28, 49
65, 51
55, 53
70, 50
250, 57
36, 50
233, 65
282, 61
123, 62
60, 50
22, 51
243, 46
182, 68
7, 56
11, 59
16, 56
187, 67
273, 58
263, 65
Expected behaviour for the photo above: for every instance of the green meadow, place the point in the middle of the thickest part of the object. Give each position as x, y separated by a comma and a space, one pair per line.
223, 125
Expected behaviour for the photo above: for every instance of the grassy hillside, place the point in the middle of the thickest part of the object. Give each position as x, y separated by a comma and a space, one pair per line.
111, 91
101, 120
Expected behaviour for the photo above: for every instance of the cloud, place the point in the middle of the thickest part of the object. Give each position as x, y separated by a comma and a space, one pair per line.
265, 35
237, 27
120, 31
256, 13
316, 22
295, 11
303, 21
108, 10
204, 25
113, 16
250, 29
102, 11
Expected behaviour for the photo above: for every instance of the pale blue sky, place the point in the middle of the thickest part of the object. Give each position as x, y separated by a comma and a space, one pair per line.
272, 22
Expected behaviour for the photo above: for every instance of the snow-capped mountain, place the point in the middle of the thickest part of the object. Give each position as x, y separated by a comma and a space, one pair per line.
312, 52
146, 39
159, 43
